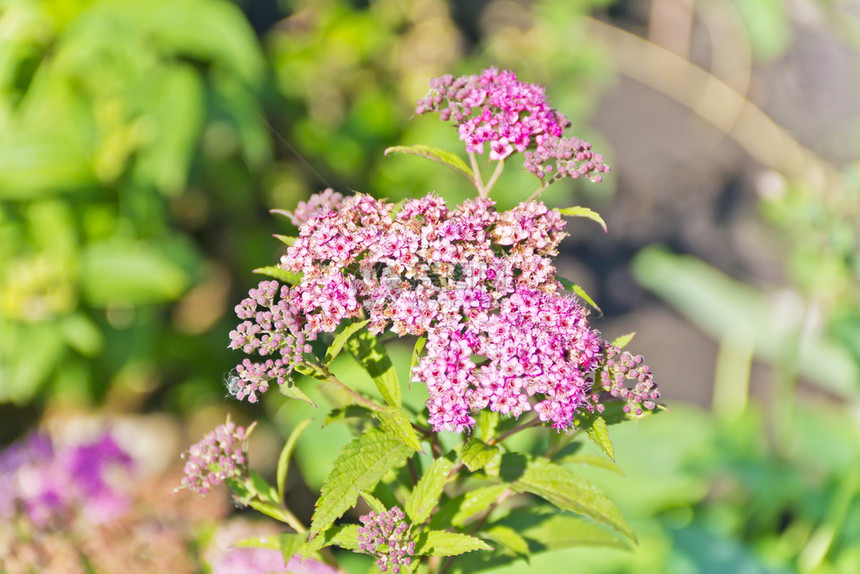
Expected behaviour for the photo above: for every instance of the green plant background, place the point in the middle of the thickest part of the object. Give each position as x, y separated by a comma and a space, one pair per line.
142, 145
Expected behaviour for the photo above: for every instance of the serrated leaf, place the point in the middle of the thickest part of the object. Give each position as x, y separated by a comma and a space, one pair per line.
290, 545
426, 493
281, 275
623, 340
476, 454
337, 344
599, 435
448, 158
286, 453
580, 292
347, 412
347, 537
488, 421
507, 537
441, 543
461, 508
589, 460
372, 356
374, 503
397, 422
580, 211
292, 391
327, 538
559, 486
562, 531
286, 239
361, 464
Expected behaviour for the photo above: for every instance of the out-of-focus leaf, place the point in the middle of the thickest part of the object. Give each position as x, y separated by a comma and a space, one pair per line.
359, 467
562, 531
723, 307
82, 334
767, 24
176, 113
120, 271
286, 453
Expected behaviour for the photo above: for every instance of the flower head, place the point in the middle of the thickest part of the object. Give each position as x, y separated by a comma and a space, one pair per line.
496, 108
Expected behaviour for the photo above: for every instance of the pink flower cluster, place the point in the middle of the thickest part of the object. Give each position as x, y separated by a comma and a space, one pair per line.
386, 536
480, 285
495, 108
220, 455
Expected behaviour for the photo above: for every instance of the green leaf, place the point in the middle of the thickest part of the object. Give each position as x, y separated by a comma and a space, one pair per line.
559, 486
507, 537
487, 421
579, 211
441, 543
623, 340
476, 454
574, 288
290, 390
426, 493
372, 356
347, 537
270, 510
281, 275
337, 345
286, 453
271, 542
291, 544
361, 464
461, 508
589, 460
285, 239
324, 539
347, 412
446, 157
374, 503
559, 531
599, 435
397, 422
130, 272
416, 353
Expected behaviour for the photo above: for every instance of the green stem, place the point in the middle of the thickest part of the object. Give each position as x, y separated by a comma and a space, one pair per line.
499, 167
536, 194
479, 181
534, 422
329, 377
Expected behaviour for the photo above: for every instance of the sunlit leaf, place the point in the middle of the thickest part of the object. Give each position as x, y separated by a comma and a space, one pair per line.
440, 543
477, 453
372, 356
579, 211
359, 467
337, 344
426, 493
280, 274
443, 156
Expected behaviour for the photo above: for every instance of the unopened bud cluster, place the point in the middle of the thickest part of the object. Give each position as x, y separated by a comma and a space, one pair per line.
386, 536
219, 456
